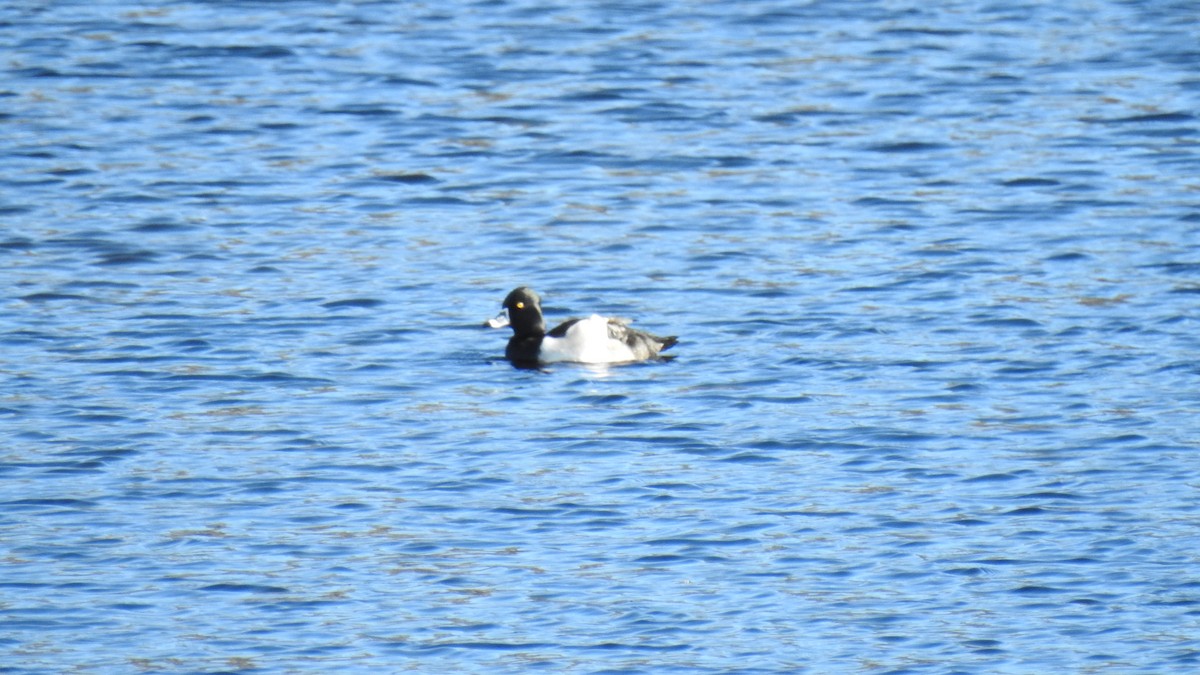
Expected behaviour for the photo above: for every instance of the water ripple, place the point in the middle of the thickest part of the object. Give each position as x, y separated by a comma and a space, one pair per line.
934, 275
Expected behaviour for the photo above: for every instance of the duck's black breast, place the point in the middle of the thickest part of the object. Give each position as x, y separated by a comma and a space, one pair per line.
524, 349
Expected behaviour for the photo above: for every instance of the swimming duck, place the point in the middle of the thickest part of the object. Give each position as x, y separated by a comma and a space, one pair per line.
596, 339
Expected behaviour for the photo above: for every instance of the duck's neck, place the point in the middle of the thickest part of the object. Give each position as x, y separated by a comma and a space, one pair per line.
531, 328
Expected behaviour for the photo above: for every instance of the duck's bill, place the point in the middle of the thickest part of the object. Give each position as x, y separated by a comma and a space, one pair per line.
499, 321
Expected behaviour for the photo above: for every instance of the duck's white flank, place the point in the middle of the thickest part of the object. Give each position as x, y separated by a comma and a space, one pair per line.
588, 341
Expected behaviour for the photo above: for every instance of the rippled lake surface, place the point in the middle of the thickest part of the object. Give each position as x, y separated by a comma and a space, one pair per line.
934, 266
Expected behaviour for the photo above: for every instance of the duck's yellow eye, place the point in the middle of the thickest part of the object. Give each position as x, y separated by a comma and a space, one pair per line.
520, 305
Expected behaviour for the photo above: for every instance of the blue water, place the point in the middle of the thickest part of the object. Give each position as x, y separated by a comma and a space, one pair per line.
935, 268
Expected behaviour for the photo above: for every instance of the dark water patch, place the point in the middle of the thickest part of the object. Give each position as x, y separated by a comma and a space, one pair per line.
48, 297
798, 115
884, 202
443, 200
1031, 182
364, 303
993, 478
407, 178
232, 52
1153, 118
749, 458
1038, 590
491, 646
51, 501
603, 94
699, 543
70, 171
527, 512
1030, 511
657, 111
969, 522
1121, 439
1011, 322
1068, 257
361, 110
923, 30
355, 468
1173, 133
1175, 267
127, 258
897, 436
16, 243
58, 505
907, 147
130, 606
512, 120
161, 227
14, 209
242, 588
662, 559
813, 514
1048, 496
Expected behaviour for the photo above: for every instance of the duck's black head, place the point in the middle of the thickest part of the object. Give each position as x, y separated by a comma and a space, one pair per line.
524, 313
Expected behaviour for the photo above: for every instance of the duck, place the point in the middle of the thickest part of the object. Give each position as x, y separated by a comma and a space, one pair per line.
596, 339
